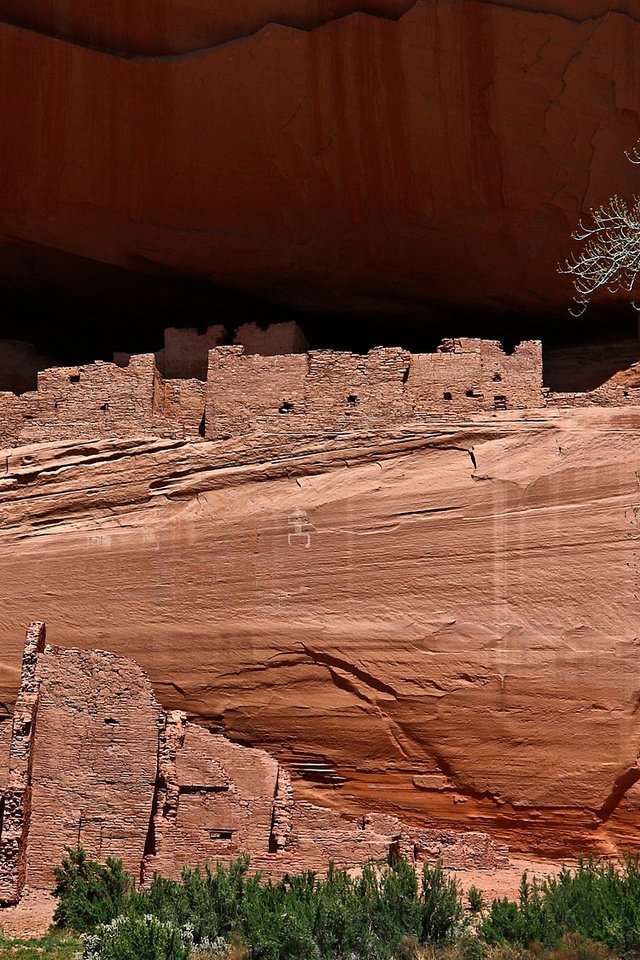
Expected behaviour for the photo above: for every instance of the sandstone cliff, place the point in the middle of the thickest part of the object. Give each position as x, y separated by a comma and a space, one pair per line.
436, 620
331, 153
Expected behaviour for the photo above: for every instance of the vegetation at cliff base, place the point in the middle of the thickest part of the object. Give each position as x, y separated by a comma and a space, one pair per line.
385, 912
370, 916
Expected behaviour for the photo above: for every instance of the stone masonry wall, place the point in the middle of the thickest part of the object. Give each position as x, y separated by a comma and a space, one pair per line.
18, 794
95, 762
327, 391
321, 391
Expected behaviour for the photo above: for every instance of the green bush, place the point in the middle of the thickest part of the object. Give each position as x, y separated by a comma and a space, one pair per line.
475, 900
380, 914
89, 893
598, 901
136, 938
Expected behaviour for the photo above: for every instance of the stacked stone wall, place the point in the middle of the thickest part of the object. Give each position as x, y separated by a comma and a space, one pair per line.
17, 798
321, 391
325, 391
95, 762
94, 768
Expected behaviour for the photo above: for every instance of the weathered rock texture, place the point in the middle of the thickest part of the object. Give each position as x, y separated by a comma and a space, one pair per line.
332, 153
435, 619
95, 762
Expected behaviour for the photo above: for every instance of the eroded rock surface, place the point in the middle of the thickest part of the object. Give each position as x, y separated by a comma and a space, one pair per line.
436, 621
326, 154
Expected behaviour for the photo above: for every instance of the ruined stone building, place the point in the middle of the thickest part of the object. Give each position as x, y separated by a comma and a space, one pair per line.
91, 759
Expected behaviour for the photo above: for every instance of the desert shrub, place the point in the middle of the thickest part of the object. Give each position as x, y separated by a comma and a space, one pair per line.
597, 901
89, 893
210, 901
475, 900
380, 914
136, 938
442, 909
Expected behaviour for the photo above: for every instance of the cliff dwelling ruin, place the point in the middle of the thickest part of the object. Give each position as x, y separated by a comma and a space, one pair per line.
312, 392
91, 759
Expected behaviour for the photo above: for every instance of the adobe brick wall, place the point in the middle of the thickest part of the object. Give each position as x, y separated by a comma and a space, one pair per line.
94, 761
321, 391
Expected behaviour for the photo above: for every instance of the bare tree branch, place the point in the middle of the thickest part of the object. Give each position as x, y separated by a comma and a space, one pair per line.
610, 258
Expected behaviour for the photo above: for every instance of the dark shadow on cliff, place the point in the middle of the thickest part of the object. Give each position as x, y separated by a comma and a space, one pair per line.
65, 309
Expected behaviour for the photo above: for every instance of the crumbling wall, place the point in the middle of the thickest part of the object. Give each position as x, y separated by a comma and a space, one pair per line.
215, 799
95, 762
322, 391
17, 801
325, 390
466, 376
94, 767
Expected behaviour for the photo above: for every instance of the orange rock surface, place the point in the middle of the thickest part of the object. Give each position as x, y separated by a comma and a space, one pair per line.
457, 643
334, 154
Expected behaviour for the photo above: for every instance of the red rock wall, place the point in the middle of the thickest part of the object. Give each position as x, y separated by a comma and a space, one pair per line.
427, 628
369, 162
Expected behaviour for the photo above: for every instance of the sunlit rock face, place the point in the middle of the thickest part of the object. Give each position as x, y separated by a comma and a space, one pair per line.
438, 621
326, 154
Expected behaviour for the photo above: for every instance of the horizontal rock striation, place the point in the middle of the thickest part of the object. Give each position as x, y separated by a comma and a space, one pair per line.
436, 620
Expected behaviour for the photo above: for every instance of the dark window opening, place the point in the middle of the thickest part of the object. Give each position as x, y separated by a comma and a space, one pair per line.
497, 378
405, 375
74, 378
447, 396
352, 400
104, 407
469, 393
111, 721
221, 834
203, 788
286, 407
500, 402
